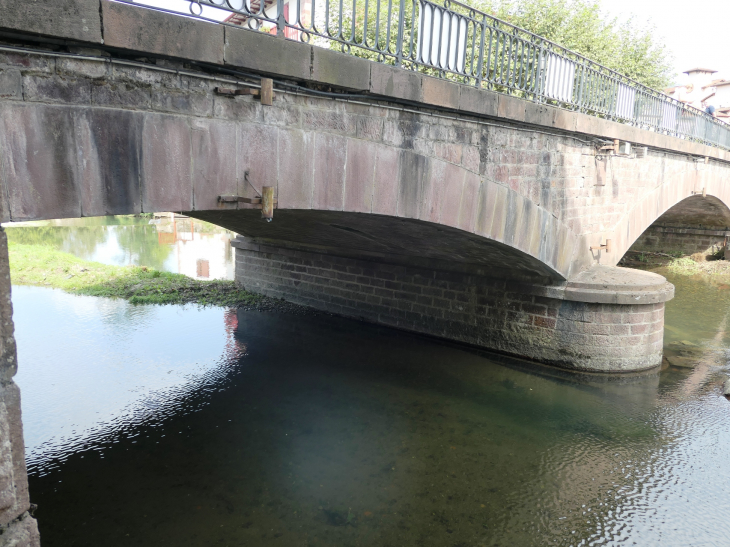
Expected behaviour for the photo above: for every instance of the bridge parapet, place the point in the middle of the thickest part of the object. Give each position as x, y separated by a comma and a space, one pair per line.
108, 23
444, 38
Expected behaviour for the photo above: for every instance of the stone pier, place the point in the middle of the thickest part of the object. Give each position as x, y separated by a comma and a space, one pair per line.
607, 319
17, 527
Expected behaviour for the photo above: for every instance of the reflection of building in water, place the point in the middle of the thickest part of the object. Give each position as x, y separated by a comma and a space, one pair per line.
200, 250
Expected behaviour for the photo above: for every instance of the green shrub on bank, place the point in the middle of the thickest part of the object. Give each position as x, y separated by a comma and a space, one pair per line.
685, 266
44, 266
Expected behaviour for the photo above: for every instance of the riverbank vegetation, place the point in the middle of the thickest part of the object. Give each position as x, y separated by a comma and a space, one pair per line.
717, 270
44, 266
712, 266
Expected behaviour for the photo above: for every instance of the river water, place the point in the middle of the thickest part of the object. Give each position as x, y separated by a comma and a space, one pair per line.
181, 426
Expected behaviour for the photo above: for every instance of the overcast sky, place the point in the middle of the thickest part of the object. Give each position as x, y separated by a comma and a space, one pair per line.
696, 34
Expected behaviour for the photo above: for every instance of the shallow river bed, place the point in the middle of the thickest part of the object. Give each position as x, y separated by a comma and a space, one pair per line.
177, 426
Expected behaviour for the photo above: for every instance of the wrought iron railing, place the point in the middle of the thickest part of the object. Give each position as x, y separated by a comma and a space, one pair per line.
451, 40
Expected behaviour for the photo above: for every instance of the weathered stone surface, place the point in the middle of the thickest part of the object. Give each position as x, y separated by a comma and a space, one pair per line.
147, 30
563, 119
14, 499
539, 114
55, 89
166, 179
443, 194
271, 55
11, 84
83, 67
329, 172
22, 532
453, 190
478, 101
414, 177
511, 108
121, 95
296, 169
74, 19
39, 161
239, 108
255, 144
109, 181
182, 102
441, 92
469, 202
385, 185
8, 351
360, 170
213, 147
331, 67
394, 82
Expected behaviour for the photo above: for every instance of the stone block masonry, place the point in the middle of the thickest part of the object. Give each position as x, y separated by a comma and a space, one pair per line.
507, 317
17, 527
686, 241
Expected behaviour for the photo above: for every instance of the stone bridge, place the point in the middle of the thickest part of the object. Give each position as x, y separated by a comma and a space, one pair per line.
402, 199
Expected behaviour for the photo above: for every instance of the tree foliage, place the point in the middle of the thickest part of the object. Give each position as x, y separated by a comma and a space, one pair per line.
578, 25
581, 26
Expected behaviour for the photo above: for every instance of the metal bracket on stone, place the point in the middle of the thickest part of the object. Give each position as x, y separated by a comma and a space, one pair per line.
618, 148
241, 199
605, 246
611, 147
265, 200
266, 93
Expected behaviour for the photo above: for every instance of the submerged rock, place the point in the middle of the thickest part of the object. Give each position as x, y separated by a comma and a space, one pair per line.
680, 361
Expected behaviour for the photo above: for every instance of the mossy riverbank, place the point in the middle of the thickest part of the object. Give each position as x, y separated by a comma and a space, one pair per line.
45, 266
710, 267
716, 270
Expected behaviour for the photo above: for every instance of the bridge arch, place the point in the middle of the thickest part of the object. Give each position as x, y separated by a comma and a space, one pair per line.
334, 183
695, 198
501, 205
696, 224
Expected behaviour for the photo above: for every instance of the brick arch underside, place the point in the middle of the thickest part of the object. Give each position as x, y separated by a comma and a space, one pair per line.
60, 161
678, 202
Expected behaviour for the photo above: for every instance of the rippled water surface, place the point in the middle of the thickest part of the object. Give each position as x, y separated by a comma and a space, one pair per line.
176, 426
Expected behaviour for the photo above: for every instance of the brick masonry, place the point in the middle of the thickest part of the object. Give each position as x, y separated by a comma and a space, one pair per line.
482, 311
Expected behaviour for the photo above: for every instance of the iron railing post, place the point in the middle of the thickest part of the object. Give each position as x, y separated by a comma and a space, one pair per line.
399, 38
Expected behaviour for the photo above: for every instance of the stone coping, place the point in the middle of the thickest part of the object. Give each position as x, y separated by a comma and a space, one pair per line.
150, 32
616, 285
